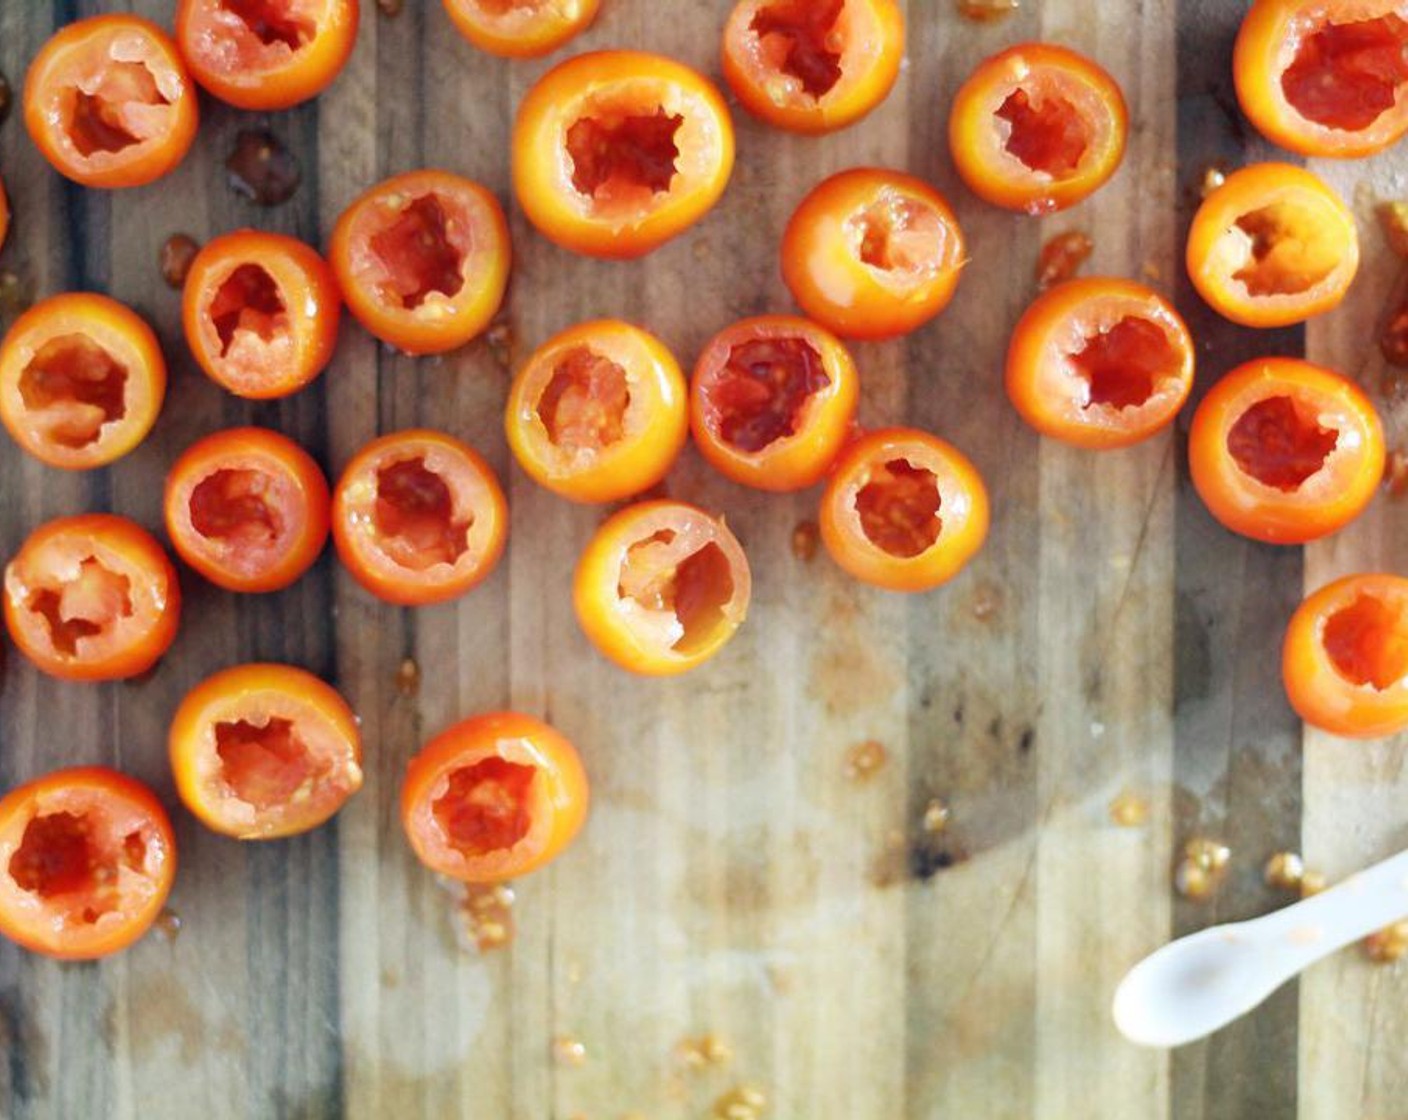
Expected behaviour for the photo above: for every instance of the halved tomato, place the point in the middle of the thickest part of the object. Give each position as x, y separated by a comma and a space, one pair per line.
521, 28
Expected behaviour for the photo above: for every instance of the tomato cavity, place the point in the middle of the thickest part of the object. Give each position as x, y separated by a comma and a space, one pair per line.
60, 857
78, 385
584, 405
799, 38
1279, 443
266, 765
1367, 642
504, 7
273, 21
900, 235
1347, 75
418, 253
760, 393
899, 508
623, 154
1121, 366
84, 606
99, 119
1288, 253
414, 514
695, 589
485, 807
248, 303
231, 505
1046, 132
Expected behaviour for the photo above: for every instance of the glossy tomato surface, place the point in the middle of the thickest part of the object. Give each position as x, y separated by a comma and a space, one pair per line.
519, 29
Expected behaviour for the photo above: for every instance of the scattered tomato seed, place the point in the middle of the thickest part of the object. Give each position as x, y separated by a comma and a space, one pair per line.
177, 253
1061, 257
1396, 474
987, 11
1214, 175
486, 915
1312, 882
697, 1051
408, 677
1285, 871
743, 1103
865, 760
1388, 944
1202, 868
936, 817
1393, 216
1129, 810
262, 169
806, 539
168, 923
569, 1051
502, 341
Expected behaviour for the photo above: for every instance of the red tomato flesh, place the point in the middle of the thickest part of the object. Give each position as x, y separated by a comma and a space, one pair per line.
1122, 365
583, 406
1287, 255
485, 807
622, 156
248, 304
269, 22
899, 508
798, 38
414, 516
232, 505
901, 235
63, 855
1279, 443
1346, 75
83, 607
1046, 133
265, 765
108, 118
423, 250
695, 587
79, 384
1367, 643
763, 388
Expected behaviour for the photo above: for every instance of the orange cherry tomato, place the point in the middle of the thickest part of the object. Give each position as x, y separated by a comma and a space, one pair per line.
87, 858
772, 400
1284, 451
264, 751
1099, 363
419, 518
423, 259
661, 587
92, 598
599, 412
521, 28
261, 312
903, 510
248, 509
1037, 128
813, 65
494, 797
616, 152
81, 380
1273, 245
108, 102
1345, 659
266, 54
872, 253
1325, 77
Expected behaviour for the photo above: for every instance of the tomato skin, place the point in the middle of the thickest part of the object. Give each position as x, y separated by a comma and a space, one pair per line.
292, 482
116, 807
211, 39
439, 323
122, 547
1210, 257
789, 462
85, 46
655, 425
963, 511
823, 268
543, 169
1246, 505
1044, 388
868, 68
521, 32
299, 350
978, 145
557, 804
113, 328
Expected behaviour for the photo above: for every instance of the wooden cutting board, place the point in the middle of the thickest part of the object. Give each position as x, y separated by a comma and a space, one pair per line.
733, 879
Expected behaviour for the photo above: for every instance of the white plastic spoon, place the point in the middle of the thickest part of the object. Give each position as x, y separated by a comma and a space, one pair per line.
1199, 983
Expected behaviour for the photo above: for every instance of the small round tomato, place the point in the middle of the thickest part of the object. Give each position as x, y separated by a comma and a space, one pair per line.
872, 253
772, 400
423, 259
87, 858
108, 102
1037, 128
903, 510
266, 54
494, 797
92, 598
264, 751
418, 517
81, 380
1284, 451
1099, 363
1325, 77
521, 28
813, 65
248, 509
599, 412
1345, 659
661, 587
261, 312
616, 152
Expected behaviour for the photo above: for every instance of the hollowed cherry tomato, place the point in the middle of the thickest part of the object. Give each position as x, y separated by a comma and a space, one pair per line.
872, 253
1285, 451
813, 65
1099, 363
418, 518
521, 28
616, 152
108, 102
772, 400
87, 858
264, 751
266, 54
598, 413
1345, 659
493, 797
1273, 245
92, 598
423, 260
261, 312
248, 509
1325, 78
1037, 128
903, 510
81, 380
